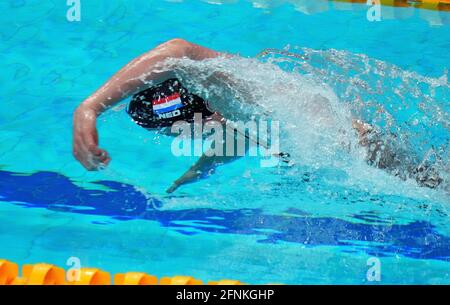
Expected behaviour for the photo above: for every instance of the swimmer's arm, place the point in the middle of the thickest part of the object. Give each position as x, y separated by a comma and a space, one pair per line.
143, 70
207, 163
134, 77
206, 166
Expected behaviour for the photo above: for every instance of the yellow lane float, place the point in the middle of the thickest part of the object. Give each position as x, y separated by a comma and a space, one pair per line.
226, 282
180, 280
443, 5
47, 274
92, 276
8, 272
40, 274
135, 278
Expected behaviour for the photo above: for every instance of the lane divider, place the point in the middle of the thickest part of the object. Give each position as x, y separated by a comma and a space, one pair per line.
41, 274
8, 272
180, 280
47, 274
443, 5
92, 276
226, 282
135, 278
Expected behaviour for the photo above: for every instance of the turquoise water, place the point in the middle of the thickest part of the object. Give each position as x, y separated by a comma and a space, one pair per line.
316, 222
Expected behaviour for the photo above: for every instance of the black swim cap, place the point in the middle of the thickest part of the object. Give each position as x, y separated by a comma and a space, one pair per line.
164, 104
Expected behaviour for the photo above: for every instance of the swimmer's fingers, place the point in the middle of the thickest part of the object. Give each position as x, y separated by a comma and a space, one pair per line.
101, 156
175, 185
173, 188
100, 160
90, 155
191, 175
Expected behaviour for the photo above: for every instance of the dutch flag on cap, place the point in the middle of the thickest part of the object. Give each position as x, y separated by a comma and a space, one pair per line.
167, 104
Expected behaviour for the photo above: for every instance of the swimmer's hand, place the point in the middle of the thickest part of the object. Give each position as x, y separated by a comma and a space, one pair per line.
85, 139
191, 175
204, 167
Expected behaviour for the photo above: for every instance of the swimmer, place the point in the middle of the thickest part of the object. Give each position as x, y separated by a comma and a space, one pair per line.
154, 107
159, 99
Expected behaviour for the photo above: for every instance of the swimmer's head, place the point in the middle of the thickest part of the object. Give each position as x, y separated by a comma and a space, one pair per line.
162, 105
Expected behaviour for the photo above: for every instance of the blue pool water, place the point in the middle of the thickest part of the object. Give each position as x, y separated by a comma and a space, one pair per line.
316, 222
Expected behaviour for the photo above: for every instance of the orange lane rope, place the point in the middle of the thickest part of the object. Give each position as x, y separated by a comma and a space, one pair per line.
47, 274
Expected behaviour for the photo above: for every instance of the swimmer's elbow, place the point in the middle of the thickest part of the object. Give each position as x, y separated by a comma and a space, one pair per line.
179, 42
182, 48
178, 47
